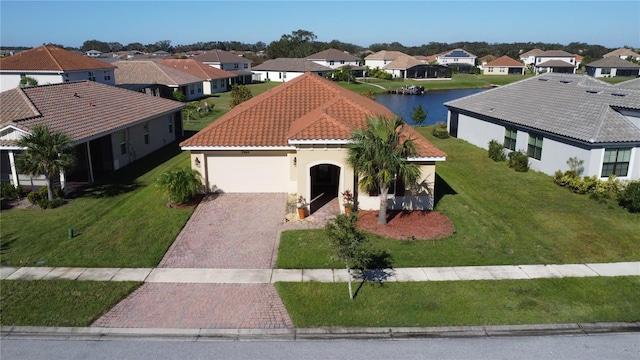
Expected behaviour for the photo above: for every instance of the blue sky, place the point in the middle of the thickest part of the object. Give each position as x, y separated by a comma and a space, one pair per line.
612, 24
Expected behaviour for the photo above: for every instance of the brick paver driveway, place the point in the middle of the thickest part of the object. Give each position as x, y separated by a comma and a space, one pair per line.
235, 231
230, 231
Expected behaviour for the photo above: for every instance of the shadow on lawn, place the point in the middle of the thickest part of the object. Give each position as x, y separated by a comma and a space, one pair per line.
126, 179
442, 189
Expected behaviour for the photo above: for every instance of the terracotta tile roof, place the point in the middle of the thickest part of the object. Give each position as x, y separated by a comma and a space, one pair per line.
332, 54
220, 56
197, 68
306, 108
291, 64
51, 58
150, 72
81, 109
505, 61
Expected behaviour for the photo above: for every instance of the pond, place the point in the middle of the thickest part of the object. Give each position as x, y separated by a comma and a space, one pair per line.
432, 102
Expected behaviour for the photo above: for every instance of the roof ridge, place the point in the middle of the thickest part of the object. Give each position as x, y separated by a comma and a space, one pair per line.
53, 57
30, 103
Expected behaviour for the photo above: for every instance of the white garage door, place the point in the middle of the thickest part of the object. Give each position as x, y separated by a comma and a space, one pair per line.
249, 174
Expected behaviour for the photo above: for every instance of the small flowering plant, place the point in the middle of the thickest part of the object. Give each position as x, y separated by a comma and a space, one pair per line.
302, 202
347, 199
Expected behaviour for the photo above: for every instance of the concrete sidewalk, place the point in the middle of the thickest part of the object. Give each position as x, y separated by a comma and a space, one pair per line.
265, 276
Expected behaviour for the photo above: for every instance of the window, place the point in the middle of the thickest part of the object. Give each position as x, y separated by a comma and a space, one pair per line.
535, 146
236, 66
490, 69
199, 88
246, 66
170, 123
342, 62
605, 71
92, 76
331, 62
510, 136
192, 89
146, 133
65, 77
214, 84
616, 162
107, 75
502, 69
123, 142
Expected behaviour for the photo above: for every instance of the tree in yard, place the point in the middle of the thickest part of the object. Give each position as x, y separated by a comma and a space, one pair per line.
378, 156
180, 185
27, 81
239, 94
348, 243
418, 115
45, 153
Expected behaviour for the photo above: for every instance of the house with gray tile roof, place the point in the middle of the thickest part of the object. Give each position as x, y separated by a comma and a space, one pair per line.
623, 53
334, 58
557, 61
228, 61
611, 67
156, 79
110, 127
287, 69
553, 117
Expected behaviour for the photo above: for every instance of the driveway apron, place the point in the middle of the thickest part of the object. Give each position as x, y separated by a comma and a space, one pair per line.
232, 231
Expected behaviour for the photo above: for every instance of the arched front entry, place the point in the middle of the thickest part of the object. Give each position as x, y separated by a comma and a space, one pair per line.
325, 182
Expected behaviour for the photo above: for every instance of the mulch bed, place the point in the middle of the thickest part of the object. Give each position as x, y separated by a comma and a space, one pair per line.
407, 225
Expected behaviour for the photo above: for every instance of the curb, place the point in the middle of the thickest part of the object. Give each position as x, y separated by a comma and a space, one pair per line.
101, 333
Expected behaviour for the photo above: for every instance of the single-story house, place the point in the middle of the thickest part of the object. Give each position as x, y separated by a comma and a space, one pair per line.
287, 69
408, 67
215, 80
52, 65
110, 127
504, 65
611, 67
554, 117
293, 139
623, 53
156, 79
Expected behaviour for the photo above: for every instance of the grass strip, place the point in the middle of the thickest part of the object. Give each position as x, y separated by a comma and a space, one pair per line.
65, 303
464, 303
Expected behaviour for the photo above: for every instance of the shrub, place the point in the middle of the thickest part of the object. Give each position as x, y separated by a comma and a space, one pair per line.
10, 192
180, 185
629, 198
41, 198
519, 161
496, 151
440, 131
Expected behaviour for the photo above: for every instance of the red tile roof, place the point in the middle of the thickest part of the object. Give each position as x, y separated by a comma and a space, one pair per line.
51, 58
80, 109
197, 68
505, 61
306, 108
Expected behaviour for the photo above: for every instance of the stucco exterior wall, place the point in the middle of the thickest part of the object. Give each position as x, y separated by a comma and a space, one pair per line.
478, 132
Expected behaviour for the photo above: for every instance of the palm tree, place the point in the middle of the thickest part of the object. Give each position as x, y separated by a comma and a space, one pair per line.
180, 185
45, 153
378, 156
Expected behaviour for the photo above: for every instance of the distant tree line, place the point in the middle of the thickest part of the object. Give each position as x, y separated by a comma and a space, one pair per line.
302, 43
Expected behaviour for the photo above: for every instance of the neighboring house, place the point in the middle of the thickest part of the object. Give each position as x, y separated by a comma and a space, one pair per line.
623, 53
93, 53
161, 53
225, 60
612, 67
529, 58
553, 117
557, 61
294, 139
287, 69
52, 65
155, 79
381, 58
408, 67
215, 80
334, 59
504, 65
110, 127
457, 58
483, 61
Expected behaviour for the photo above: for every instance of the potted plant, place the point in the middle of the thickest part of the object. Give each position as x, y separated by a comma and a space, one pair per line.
347, 201
302, 207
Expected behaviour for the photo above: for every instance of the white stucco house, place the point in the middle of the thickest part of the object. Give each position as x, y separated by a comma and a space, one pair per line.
553, 117
557, 61
623, 53
612, 67
334, 59
287, 69
457, 58
529, 57
110, 127
381, 58
293, 139
52, 65
225, 60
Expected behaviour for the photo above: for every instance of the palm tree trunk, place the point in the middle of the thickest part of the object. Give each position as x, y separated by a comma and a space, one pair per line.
350, 288
49, 188
382, 214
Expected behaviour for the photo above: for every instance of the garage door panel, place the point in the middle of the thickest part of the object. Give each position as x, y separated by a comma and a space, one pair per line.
249, 174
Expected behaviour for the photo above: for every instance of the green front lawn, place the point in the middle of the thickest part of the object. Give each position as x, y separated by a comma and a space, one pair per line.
59, 302
501, 217
463, 303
